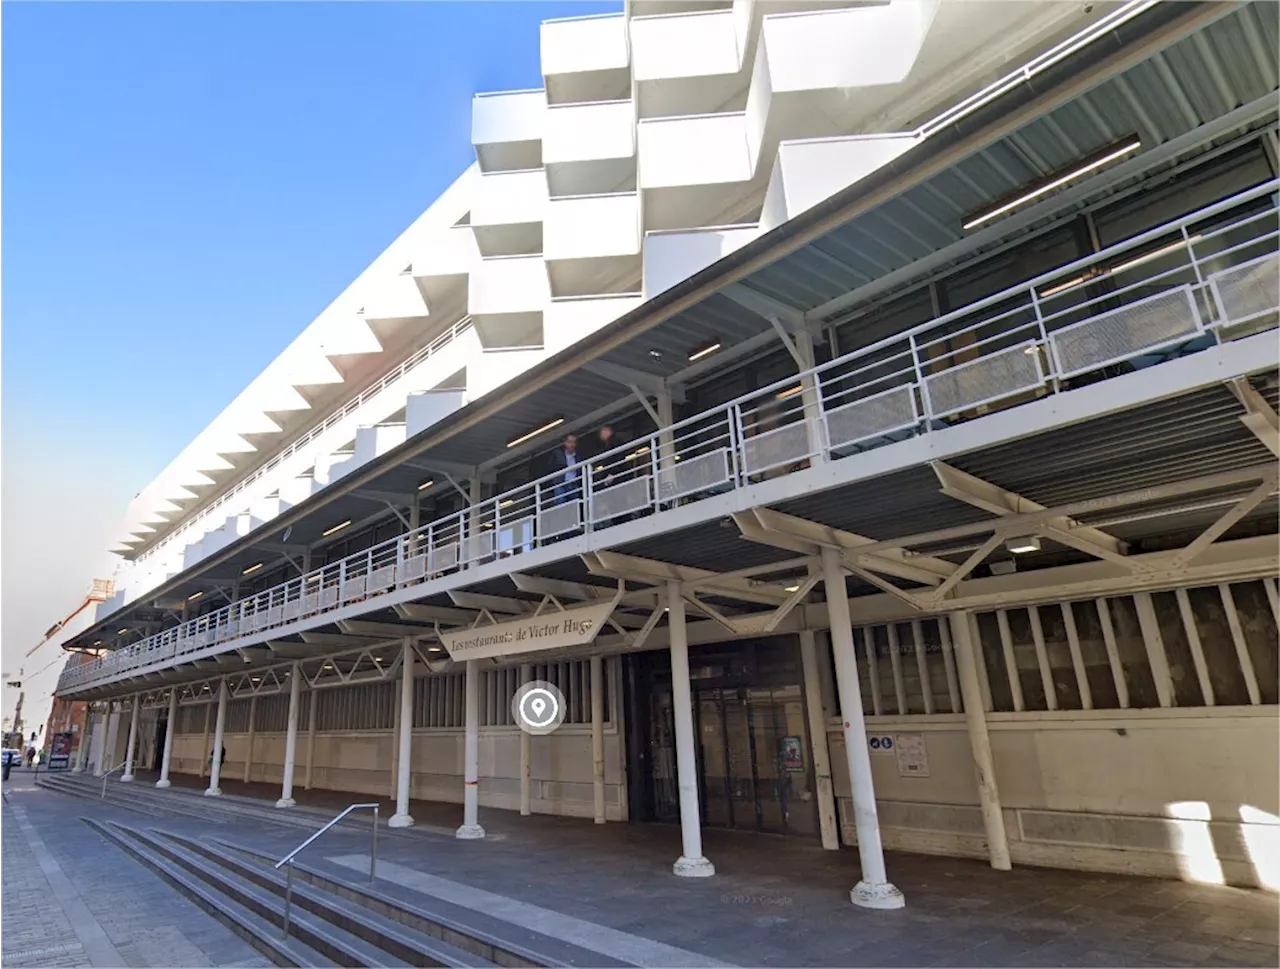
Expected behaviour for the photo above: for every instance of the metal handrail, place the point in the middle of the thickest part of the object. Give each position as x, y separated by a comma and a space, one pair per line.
288, 859
118, 766
1024, 321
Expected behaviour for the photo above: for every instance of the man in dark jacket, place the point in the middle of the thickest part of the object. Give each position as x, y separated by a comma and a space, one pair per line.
565, 458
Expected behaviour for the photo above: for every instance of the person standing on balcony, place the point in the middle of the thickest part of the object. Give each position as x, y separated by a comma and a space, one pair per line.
564, 459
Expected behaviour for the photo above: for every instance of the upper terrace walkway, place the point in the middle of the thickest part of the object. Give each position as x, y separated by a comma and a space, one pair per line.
1188, 302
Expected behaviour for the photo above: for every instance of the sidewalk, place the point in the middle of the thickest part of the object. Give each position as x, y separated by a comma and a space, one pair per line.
777, 901
69, 899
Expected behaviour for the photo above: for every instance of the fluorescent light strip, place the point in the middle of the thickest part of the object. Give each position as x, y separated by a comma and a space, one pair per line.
193, 598
532, 434
336, 528
1056, 183
426, 484
253, 568
1124, 266
783, 395
1154, 254
705, 351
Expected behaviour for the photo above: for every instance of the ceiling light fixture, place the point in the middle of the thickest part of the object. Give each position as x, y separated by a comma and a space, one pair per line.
704, 351
791, 588
121, 632
1104, 157
789, 392
426, 484
253, 568
336, 528
1105, 271
1023, 544
193, 598
532, 434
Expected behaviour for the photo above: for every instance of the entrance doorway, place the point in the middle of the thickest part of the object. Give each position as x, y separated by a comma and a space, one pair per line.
157, 753
755, 771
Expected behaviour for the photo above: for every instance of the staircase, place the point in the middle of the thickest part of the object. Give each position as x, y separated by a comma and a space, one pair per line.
244, 892
336, 918
188, 803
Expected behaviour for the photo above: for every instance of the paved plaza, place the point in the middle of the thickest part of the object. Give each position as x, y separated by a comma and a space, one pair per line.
70, 899
774, 902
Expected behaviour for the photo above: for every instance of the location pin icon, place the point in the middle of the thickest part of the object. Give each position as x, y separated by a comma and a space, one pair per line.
538, 705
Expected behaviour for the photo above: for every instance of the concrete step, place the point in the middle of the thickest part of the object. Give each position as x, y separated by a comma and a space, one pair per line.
318, 926
400, 940
263, 935
140, 801
226, 808
145, 799
493, 939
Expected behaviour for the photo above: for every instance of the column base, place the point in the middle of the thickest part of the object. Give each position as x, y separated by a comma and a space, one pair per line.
213, 792
126, 778
469, 832
163, 782
400, 821
881, 896
286, 802
693, 867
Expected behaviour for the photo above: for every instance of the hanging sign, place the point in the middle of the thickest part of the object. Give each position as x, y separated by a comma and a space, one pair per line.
550, 630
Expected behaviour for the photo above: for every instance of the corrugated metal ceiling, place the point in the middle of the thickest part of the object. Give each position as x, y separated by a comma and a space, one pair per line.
1229, 63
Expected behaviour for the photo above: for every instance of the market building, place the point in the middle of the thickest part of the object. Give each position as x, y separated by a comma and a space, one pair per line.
939, 341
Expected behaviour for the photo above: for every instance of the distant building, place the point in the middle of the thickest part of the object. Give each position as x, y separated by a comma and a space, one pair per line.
45, 662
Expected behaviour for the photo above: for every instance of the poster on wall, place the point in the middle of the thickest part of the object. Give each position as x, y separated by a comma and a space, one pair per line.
913, 757
791, 754
60, 751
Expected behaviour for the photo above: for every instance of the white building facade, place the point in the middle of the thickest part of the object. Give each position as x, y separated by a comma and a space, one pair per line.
941, 337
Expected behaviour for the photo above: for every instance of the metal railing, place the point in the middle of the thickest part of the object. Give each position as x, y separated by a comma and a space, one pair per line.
1207, 278
119, 766
390, 377
288, 859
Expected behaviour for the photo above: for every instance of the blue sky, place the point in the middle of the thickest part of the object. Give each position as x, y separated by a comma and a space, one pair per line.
185, 186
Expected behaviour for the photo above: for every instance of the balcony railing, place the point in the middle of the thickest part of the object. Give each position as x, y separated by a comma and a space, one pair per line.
346, 410
1207, 278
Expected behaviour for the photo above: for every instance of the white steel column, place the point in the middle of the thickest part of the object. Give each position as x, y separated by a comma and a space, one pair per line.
220, 725
170, 730
471, 828
597, 735
82, 752
875, 890
248, 752
291, 737
132, 745
666, 438
818, 741
979, 740
691, 864
311, 736
402, 818
393, 781
526, 752
100, 741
